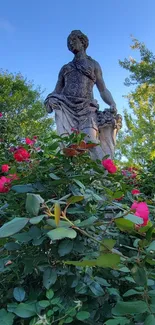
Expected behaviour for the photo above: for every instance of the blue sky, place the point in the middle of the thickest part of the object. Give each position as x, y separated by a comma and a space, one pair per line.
33, 37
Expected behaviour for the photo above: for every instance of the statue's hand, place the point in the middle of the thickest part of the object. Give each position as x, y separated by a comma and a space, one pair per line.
113, 108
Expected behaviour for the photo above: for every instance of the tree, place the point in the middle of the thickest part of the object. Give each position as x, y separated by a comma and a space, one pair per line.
137, 143
143, 71
22, 109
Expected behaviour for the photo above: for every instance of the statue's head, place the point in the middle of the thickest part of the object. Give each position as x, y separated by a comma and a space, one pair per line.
77, 41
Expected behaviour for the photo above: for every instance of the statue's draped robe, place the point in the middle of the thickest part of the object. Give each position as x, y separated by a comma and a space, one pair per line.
75, 107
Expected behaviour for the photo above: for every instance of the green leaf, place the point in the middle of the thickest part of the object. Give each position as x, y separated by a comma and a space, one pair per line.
82, 263
139, 275
102, 281
33, 202
74, 199
37, 219
151, 293
124, 225
44, 303
23, 237
106, 260
12, 246
25, 310
53, 176
109, 243
87, 222
62, 223
130, 307
6, 318
11, 307
23, 188
65, 247
150, 320
60, 233
82, 315
49, 277
151, 247
132, 292
76, 210
79, 183
53, 146
49, 294
12, 227
96, 289
55, 301
81, 288
68, 320
19, 294
117, 195
118, 321
134, 219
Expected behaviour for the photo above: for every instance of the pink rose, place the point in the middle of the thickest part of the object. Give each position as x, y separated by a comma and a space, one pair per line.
29, 141
135, 191
141, 211
5, 168
109, 165
4, 184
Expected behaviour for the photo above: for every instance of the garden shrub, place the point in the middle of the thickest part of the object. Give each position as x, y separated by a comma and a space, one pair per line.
63, 260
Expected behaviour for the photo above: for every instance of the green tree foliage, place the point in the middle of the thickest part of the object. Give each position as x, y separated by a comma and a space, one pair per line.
136, 142
23, 110
142, 71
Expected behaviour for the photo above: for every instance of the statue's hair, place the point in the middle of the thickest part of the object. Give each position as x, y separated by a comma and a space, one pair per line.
83, 38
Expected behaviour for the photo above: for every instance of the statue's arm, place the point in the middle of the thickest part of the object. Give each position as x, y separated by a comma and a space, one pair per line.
60, 83
104, 92
58, 88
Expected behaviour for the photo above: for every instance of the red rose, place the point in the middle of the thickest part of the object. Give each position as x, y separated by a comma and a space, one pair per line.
29, 141
4, 184
1, 114
141, 211
135, 191
5, 168
21, 154
109, 165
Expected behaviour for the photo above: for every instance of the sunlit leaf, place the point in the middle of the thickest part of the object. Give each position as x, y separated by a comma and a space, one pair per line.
60, 233
57, 213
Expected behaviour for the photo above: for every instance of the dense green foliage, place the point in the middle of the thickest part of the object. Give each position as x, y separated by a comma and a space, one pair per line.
70, 253
23, 111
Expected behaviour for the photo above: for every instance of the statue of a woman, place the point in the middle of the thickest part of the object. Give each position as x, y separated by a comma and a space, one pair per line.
73, 100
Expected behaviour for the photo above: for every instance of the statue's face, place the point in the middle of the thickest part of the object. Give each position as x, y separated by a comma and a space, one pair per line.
74, 44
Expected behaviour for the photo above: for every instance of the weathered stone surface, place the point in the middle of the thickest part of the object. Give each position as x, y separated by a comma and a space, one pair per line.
74, 103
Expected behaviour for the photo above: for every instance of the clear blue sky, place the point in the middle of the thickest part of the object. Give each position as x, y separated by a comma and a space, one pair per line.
33, 37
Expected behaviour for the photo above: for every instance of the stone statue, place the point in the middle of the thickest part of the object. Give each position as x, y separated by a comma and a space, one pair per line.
74, 103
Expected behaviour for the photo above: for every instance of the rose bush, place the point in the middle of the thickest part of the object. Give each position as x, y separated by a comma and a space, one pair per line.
71, 253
